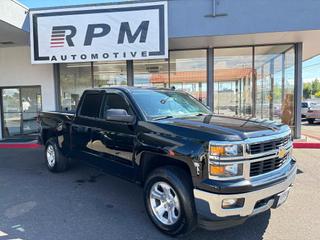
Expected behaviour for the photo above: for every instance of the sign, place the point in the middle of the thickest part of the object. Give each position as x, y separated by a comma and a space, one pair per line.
99, 33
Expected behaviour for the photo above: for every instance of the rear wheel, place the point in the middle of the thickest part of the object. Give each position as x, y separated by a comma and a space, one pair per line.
311, 120
169, 201
55, 161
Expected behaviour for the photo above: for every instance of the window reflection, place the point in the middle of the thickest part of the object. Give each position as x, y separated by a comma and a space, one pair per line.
74, 79
233, 81
151, 73
188, 72
108, 74
274, 67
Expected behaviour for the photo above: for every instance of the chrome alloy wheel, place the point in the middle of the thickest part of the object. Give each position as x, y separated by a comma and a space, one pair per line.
51, 156
164, 203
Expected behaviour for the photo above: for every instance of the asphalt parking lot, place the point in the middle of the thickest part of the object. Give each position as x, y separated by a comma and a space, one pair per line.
85, 204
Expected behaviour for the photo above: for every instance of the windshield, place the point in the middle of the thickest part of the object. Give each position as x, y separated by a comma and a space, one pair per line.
157, 104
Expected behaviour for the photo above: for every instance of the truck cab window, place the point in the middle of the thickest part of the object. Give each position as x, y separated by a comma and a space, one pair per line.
91, 105
116, 101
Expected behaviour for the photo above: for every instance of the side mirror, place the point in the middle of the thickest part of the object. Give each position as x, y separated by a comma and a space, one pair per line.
119, 115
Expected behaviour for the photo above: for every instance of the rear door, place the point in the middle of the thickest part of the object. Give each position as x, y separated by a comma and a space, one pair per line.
86, 120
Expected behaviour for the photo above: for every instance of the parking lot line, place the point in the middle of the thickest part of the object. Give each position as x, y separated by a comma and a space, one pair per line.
3, 234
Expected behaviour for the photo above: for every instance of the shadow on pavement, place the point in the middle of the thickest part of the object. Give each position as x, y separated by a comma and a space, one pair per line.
83, 203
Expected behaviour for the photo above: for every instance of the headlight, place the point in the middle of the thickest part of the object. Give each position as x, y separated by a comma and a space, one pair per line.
226, 150
226, 170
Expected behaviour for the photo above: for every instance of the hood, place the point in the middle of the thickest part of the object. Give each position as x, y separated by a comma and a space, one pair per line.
227, 128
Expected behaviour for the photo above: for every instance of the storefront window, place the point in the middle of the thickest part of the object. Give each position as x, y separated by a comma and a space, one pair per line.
108, 74
188, 72
151, 73
233, 81
74, 79
21, 106
274, 67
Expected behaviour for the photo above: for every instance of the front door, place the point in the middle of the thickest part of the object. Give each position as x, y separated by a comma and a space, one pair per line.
114, 141
20, 107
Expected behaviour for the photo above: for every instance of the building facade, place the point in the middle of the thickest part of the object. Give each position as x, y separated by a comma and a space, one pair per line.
241, 58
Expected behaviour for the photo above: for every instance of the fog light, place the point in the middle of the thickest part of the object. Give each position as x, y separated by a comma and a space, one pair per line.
232, 203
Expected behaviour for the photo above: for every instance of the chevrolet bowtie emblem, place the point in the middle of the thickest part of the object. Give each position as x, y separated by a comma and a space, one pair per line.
282, 152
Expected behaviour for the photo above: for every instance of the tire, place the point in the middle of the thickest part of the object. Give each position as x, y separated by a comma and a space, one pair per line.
311, 120
55, 160
183, 214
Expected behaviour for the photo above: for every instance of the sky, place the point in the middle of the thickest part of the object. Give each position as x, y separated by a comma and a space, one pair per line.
51, 3
311, 68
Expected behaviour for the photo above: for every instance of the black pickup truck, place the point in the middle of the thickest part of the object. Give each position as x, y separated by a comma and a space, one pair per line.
196, 168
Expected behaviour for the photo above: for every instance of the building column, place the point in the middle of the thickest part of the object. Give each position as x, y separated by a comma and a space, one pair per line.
56, 79
130, 73
298, 89
210, 85
271, 97
254, 86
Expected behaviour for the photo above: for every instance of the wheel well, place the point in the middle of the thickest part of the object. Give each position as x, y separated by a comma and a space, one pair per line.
46, 135
149, 162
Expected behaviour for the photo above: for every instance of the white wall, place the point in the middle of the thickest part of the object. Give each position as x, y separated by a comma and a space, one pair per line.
16, 70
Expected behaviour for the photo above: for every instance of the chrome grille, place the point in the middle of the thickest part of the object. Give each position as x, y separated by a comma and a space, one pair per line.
262, 147
265, 166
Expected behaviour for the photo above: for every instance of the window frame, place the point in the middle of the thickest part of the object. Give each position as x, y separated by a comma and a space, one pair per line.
126, 99
105, 99
85, 93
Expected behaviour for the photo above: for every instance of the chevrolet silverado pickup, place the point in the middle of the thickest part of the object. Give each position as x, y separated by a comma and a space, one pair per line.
196, 168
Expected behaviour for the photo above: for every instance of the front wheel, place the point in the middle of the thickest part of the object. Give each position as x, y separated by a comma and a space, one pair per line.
169, 201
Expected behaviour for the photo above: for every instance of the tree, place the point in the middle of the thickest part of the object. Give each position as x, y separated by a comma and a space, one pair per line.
315, 86
307, 90
317, 94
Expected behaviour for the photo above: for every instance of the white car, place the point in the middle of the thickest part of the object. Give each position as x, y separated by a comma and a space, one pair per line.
313, 113
305, 106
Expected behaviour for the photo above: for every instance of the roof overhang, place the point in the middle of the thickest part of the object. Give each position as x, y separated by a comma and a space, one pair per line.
310, 40
14, 24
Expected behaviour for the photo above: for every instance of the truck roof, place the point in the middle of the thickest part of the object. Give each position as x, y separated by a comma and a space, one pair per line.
131, 88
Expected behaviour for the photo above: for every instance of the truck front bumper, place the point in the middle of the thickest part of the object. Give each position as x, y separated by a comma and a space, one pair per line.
213, 216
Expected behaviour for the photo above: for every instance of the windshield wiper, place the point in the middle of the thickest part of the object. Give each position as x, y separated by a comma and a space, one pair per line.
162, 117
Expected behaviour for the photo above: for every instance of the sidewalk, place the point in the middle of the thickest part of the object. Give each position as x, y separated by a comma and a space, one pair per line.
310, 136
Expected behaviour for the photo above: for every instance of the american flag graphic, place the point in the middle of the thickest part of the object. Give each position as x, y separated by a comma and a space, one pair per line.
57, 37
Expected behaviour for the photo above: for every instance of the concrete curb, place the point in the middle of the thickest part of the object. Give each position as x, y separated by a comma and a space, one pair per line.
306, 145
19, 145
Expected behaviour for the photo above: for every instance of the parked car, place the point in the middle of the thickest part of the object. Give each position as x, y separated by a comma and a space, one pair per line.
313, 113
305, 107
196, 168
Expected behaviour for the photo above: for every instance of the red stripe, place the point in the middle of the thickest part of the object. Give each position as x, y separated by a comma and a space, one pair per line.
56, 46
57, 42
19, 145
54, 39
306, 145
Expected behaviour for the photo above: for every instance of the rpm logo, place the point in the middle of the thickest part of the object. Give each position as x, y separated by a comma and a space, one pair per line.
59, 37
132, 31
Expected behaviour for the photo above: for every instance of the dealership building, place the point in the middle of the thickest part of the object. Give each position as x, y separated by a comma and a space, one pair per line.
241, 58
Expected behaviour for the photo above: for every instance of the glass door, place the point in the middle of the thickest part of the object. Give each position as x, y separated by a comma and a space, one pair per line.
20, 109
11, 112
31, 106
